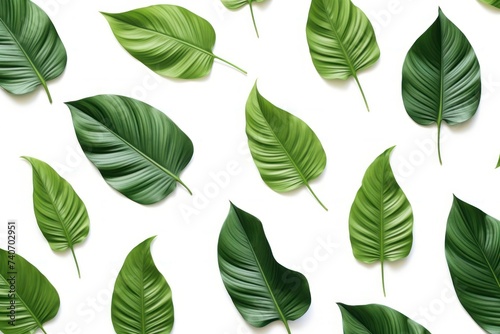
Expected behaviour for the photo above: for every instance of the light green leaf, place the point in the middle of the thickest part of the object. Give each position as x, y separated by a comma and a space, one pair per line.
139, 151
262, 290
381, 218
473, 253
341, 40
170, 40
36, 300
142, 299
31, 52
286, 151
495, 3
441, 77
377, 319
235, 4
60, 213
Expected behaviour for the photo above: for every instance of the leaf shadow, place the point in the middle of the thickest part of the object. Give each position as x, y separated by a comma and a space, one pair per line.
24, 99
463, 127
489, 8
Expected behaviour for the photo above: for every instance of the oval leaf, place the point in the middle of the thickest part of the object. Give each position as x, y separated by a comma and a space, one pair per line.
377, 319
138, 150
472, 250
494, 3
381, 218
441, 77
36, 300
60, 213
31, 52
261, 289
286, 151
235, 4
170, 40
341, 40
142, 299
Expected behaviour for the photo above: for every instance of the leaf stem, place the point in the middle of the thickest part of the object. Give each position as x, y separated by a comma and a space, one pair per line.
439, 143
287, 327
383, 276
231, 64
312, 192
44, 84
76, 262
362, 92
185, 186
253, 18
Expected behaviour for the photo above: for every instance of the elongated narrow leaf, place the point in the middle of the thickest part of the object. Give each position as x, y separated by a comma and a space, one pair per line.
31, 52
377, 319
142, 299
60, 213
35, 300
235, 4
341, 40
139, 151
170, 40
286, 151
381, 218
473, 253
441, 77
262, 290
495, 3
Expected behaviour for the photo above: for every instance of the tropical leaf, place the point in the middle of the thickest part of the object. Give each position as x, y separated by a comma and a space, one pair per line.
494, 3
138, 150
31, 52
60, 213
341, 40
235, 4
261, 289
142, 299
381, 218
36, 300
286, 151
170, 40
377, 319
473, 253
441, 77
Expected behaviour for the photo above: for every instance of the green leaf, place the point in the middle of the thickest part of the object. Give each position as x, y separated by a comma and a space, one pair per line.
341, 40
495, 3
60, 213
139, 151
472, 248
31, 52
142, 299
235, 4
36, 300
441, 77
286, 151
170, 40
261, 289
377, 319
381, 218
498, 163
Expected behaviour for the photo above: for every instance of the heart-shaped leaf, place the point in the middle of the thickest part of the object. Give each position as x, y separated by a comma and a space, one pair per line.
139, 151
262, 290
60, 213
142, 299
495, 3
35, 300
31, 52
381, 218
377, 319
170, 40
473, 253
341, 40
235, 4
286, 151
441, 77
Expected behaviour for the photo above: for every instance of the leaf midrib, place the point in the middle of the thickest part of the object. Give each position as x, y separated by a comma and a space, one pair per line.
276, 304
381, 216
14, 38
39, 324
441, 77
132, 147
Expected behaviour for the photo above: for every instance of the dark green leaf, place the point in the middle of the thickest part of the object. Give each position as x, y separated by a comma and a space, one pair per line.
262, 290
441, 77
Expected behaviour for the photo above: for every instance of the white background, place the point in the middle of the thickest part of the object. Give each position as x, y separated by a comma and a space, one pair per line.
211, 111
